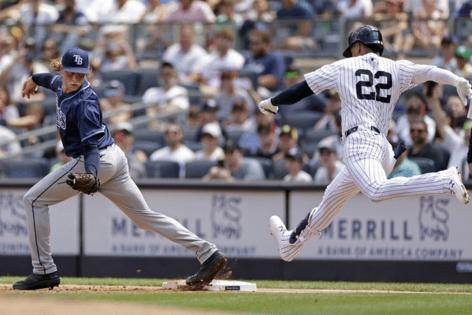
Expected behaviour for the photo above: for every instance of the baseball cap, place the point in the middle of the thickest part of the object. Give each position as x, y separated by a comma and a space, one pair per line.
327, 144
124, 126
289, 130
463, 52
210, 105
75, 60
294, 154
211, 129
114, 88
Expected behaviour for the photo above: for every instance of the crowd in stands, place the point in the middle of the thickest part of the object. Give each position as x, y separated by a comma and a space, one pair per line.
179, 81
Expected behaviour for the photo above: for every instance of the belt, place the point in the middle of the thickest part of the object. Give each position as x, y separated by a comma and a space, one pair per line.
354, 129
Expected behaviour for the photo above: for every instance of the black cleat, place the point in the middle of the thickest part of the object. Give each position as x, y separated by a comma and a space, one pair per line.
301, 226
37, 281
208, 270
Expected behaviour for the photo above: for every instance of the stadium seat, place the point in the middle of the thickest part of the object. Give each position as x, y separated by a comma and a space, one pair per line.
267, 166
147, 78
150, 135
302, 119
162, 169
129, 79
234, 135
147, 147
426, 165
24, 168
193, 145
198, 168
280, 169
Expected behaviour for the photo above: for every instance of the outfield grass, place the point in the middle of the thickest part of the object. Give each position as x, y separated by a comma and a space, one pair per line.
431, 299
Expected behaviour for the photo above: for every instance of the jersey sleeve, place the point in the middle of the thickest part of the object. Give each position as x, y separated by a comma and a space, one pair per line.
89, 121
405, 75
324, 78
413, 74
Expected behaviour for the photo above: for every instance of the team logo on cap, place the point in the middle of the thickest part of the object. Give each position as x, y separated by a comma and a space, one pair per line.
78, 60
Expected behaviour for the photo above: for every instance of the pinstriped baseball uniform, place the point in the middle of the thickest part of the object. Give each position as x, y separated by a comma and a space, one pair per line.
369, 87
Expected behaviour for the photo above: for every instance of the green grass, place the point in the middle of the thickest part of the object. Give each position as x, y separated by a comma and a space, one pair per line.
433, 300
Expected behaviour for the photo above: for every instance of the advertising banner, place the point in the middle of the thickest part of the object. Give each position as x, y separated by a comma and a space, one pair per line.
236, 221
64, 218
429, 228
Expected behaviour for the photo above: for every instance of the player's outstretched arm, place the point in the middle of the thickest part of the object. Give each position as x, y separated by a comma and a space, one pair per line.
291, 95
29, 88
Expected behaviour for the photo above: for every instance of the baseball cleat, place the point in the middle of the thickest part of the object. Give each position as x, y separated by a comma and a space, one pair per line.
457, 187
287, 250
37, 281
208, 270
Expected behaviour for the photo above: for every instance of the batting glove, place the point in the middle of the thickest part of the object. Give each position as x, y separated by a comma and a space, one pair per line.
267, 108
464, 89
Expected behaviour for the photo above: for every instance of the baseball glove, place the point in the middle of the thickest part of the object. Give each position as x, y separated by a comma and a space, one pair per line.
83, 182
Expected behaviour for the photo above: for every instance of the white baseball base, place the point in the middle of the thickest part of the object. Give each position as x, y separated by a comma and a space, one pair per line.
215, 285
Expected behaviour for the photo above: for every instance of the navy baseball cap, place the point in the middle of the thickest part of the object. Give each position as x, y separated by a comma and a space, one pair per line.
75, 60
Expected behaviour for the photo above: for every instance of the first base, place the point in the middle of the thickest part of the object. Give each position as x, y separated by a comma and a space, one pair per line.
215, 285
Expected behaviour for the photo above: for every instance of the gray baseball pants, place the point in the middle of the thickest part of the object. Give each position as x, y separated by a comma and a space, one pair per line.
116, 185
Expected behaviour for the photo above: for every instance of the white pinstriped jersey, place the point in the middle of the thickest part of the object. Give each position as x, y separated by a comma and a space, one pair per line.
369, 87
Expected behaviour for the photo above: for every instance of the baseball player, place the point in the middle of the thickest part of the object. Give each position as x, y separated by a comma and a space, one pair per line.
369, 87
97, 164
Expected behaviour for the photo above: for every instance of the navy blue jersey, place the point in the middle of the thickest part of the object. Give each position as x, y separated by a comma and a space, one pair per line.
79, 118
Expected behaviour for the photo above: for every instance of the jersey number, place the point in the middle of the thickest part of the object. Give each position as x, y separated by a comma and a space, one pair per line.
370, 82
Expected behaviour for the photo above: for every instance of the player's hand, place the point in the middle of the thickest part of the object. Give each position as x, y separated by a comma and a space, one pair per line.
29, 88
464, 89
267, 108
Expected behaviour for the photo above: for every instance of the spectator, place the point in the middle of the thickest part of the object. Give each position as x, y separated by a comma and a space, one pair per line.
194, 119
226, 13
427, 27
455, 142
249, 141
9, 145
115, 53
416, 109
175, 150
8, 110
331, 112
191, 11
123, 136
417, 7
210, 114
50, 52
169, 97
240, 120
456, 111
355, 9
236, 166
424, 149
223, 58
269, 65
259, 17
268, 141
330, 165
210, 139
187, 57
313, 102
446, 58
464, 69
230, 93
156, 12
70, 26
35, 16
114, 108
95, 10
294, 166
404, 167
297, 16
124, 12
288, 140
61, 157
393, 21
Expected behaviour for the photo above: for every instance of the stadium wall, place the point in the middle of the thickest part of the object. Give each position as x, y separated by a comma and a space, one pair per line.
410, 239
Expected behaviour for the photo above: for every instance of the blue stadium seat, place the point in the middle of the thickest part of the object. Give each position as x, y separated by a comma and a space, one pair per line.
147, 147
147, 78
129, 78
280, 169
267, 166
198, 168
162, 169
302, 119
426, 165
150, 135
24, 168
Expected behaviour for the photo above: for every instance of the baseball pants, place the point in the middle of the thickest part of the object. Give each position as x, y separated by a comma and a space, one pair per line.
116, 185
